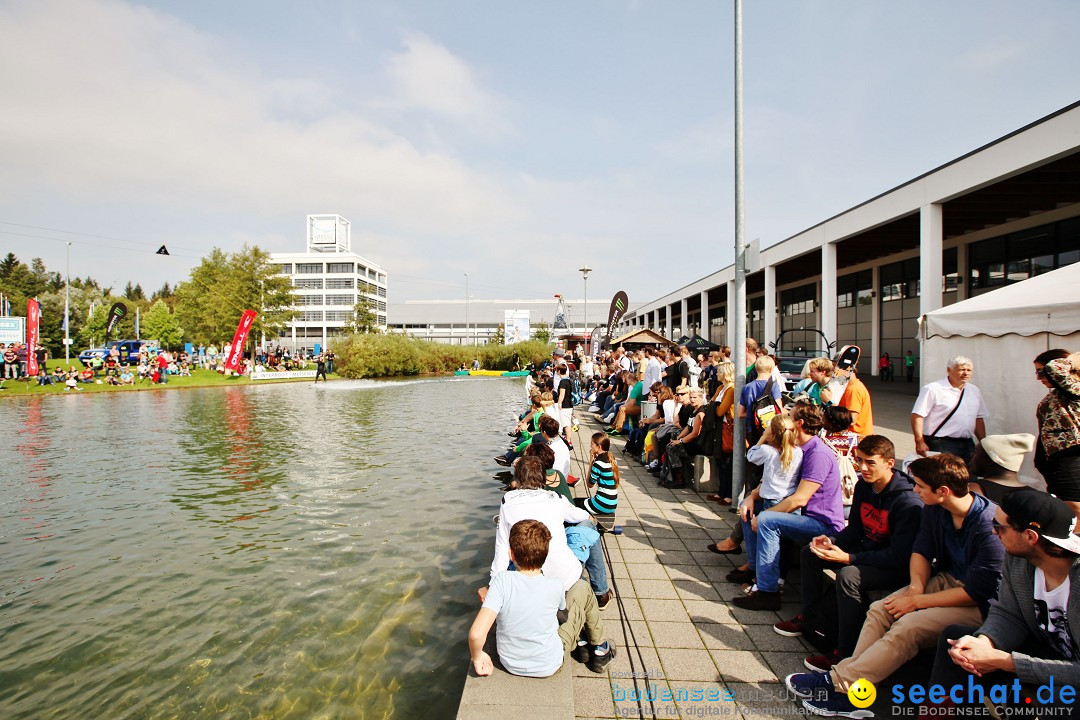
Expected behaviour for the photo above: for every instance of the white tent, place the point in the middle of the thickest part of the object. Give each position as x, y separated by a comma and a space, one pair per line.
1002, 332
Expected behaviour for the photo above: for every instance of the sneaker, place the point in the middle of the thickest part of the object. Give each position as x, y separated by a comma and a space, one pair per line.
835, 705
501, 460
653, 465
806, 685
789, 628
594, 408
603, 600
822, 663
601, 656
758, 600
581, 653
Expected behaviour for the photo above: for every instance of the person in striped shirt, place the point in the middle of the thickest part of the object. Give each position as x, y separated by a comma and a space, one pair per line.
604, 474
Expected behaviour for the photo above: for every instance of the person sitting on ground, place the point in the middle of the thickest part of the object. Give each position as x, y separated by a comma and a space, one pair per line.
58, 375
553, 479
72, 381
678, 465
1032, 632
525, 602
604, 475
996, 463
856, 398
43, 378
871, 553
631, 408
126, 376
665, 414
819, 496
956, 533
778, 452
86, 375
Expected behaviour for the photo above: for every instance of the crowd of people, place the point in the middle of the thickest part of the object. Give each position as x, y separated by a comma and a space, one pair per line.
950, 552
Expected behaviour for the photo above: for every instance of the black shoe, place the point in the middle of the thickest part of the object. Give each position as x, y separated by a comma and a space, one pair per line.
582, 653
758, 600
739, 576
597, 663
672, 485
501, 460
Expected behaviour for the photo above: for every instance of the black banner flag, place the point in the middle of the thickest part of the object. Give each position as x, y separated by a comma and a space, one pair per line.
116, 314
619, 304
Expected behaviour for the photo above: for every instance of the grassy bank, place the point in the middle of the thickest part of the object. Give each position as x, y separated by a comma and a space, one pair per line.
199, 378
370, 356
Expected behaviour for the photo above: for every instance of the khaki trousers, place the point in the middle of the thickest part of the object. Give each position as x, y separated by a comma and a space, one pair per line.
581, 612
885, 643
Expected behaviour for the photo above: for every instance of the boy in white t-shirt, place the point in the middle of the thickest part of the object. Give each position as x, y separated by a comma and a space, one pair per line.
531, 641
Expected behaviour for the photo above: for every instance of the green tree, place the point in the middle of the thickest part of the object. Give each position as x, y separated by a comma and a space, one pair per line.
7, 265
364, 319
542, 332
499, 336
161, 324
134, 292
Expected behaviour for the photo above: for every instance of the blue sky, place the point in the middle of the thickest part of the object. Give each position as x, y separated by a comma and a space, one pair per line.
513, 141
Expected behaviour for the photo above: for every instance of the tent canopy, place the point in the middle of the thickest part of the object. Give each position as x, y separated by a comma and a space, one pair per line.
1048, 303
644, 336
698, 343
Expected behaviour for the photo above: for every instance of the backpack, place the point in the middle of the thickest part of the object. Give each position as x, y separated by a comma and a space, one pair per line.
709, 439
762, 412
575, 391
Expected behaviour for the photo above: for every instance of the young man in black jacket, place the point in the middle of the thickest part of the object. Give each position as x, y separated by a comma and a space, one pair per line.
871, 553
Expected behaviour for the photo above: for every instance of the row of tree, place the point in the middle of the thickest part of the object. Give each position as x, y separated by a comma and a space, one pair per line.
205, 308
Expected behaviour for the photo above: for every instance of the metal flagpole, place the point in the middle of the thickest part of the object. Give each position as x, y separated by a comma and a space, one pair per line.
738, 353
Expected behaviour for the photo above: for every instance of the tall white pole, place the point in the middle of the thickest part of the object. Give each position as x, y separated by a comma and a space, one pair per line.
739, 351
585, 270
67, 306
466, 308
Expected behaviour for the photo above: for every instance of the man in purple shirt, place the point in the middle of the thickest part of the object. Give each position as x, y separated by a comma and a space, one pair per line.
819, 496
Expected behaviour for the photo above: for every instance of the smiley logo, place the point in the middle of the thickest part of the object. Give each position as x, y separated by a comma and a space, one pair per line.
862, 693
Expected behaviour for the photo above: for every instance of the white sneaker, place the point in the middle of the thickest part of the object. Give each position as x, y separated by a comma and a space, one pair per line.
594, 408
653, 465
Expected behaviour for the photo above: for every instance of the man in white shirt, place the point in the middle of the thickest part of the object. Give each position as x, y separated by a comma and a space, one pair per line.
653, 368
948, 415
623, 359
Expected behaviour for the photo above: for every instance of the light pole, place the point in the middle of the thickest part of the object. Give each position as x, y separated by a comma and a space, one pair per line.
466, 308
739, 309
585, 270
67, 305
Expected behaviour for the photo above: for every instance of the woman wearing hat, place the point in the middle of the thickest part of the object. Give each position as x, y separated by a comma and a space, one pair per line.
1057, 454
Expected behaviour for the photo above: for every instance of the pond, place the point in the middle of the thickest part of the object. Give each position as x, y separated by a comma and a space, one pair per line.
279, 551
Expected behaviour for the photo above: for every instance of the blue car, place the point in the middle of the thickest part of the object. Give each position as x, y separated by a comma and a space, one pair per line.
129, 351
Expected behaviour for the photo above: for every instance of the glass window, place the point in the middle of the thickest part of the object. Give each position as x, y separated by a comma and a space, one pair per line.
1018, 270
340, 267
309, 283
339, 283
309, 300
285, 268
309, 268
311, 316
348, 299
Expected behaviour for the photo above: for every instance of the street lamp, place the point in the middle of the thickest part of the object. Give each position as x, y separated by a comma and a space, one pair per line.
466, 308
585, 270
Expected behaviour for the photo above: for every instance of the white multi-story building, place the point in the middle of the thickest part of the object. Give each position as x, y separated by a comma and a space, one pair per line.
328, 280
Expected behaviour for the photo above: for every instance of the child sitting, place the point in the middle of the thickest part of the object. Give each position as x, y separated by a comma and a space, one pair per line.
604, 474
530, 639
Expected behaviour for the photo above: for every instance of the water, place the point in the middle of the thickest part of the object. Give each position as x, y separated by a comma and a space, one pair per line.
280, 551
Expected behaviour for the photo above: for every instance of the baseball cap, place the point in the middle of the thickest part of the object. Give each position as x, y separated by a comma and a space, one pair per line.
558, 352
1045, 514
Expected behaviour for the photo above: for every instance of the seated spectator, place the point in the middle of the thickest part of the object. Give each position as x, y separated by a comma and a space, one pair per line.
780, 455
86, 375
525, 602
631, 408
678, 464
43, 378
126, 376
604, 476
818, 495
58, 375
871, 553
1032, 632
956, 533
72, 381
995, 465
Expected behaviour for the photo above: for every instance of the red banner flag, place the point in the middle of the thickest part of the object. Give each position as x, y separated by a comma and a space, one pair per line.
33, 322
236, 351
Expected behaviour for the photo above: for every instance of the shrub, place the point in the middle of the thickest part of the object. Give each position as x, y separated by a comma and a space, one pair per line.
366, 356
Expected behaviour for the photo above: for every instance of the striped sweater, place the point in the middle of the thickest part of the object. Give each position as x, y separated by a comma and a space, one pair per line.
606, 497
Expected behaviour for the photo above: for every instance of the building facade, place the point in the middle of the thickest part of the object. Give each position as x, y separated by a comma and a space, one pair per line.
457, 322
1000, 214
328, 280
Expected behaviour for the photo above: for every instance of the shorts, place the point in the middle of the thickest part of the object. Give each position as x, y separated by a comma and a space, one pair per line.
566, 418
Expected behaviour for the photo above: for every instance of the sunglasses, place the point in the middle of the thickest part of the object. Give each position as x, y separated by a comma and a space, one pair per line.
999, 527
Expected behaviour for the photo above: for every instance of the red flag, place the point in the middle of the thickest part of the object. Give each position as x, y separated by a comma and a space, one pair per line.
33, 320
237, 350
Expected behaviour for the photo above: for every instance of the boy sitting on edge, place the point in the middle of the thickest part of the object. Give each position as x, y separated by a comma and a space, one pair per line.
531, 642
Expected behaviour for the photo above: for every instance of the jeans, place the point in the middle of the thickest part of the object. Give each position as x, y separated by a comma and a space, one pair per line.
772, 527
964, 448
852, 584
596, 567
749, 535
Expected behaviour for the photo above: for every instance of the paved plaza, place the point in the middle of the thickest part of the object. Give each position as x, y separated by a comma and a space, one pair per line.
683, 650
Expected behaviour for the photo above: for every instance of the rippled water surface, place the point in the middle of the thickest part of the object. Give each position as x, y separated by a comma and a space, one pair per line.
283, 551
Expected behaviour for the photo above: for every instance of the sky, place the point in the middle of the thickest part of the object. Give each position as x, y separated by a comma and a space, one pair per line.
514, 141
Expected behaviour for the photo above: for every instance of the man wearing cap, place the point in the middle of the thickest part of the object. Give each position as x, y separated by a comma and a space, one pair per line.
1032, 632
996, 462
948, 416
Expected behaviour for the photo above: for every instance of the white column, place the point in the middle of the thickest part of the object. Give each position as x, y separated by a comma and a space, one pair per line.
827, 316
729, 318
930, 237
875, 319
684, 329
770, 305
704, 331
